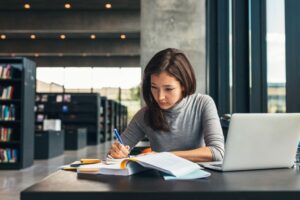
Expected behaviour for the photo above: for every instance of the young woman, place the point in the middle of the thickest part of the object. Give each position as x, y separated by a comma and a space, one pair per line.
174, 118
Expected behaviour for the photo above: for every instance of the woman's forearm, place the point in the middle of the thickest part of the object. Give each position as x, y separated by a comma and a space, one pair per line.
202, 154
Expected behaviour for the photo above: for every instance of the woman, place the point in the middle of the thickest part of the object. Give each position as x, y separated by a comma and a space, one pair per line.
174, 118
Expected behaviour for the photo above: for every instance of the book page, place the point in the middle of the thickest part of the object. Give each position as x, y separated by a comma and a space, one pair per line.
193, 175
168, 163
110, 160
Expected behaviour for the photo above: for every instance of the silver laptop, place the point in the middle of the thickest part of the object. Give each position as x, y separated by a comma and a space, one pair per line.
260, 141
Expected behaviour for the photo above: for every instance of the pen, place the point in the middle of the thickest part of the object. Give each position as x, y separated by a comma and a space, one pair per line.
118, 136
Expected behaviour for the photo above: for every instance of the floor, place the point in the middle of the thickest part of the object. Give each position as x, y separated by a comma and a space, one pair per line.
12, 182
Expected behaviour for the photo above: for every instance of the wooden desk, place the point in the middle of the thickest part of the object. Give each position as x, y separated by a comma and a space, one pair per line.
260, 184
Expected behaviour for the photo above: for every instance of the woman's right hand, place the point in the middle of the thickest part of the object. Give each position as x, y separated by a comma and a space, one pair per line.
118, 150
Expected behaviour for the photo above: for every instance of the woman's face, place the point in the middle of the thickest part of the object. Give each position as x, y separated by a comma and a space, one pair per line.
166, 90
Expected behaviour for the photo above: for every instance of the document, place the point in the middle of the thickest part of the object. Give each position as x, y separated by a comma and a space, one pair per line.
165, 162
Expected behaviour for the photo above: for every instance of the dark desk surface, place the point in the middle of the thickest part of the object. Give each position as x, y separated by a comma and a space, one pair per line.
260, 184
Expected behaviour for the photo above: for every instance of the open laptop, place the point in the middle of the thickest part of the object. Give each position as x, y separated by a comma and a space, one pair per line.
260, 141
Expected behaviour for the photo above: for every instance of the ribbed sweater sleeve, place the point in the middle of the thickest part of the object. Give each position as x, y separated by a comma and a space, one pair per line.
212, 131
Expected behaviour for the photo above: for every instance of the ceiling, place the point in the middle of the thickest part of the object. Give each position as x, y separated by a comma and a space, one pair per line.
94, 35
75, 4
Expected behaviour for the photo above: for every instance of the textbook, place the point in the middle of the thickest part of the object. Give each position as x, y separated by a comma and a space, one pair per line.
165, 162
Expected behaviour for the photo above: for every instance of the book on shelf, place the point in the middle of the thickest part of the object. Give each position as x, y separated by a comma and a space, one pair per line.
59, 98
38, 127
40, 107
5, 134
67, 98
6, 72
6, 92
165, 162
40, 118
7, 113
8, 155
44, 98
65, 108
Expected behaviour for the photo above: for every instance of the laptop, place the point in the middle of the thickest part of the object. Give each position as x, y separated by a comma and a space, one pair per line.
260, 141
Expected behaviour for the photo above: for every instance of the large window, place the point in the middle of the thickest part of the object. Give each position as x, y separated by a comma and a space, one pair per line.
90, 77
115, 83
264, 46
276, 75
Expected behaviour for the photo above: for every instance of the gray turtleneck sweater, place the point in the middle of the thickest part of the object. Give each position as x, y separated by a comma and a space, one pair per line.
194, 123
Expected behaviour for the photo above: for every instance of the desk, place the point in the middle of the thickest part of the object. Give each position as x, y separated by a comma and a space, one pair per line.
261, 184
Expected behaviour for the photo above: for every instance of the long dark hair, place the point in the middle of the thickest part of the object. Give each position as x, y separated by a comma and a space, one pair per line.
176, 64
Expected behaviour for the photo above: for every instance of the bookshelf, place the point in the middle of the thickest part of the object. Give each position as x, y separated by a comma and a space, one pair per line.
76, 139
104, 119
117, 116
48, 144
111, 119
75, 110
124, 117
17, 91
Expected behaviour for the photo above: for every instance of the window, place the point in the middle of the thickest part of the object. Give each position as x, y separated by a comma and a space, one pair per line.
276, 74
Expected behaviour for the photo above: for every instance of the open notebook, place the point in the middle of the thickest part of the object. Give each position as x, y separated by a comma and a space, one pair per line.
164, 162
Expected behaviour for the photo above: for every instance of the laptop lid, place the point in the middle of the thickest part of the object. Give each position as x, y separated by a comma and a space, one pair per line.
261, 141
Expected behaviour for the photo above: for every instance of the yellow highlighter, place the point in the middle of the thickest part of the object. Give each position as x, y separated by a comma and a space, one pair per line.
89, 160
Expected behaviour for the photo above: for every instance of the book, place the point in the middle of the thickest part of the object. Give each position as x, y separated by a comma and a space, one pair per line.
1, 70
74, 165
165, 162
111, 169
59, 98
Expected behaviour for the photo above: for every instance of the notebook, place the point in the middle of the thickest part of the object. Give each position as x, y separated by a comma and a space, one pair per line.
74, 165
165, 162
260, 141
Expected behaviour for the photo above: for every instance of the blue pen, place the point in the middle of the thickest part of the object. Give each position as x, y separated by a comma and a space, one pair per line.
118, 136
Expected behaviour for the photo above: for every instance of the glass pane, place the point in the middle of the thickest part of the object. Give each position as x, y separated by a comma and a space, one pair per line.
276, 56
114, 83
50, 79
78, 77
230, 55
87, 77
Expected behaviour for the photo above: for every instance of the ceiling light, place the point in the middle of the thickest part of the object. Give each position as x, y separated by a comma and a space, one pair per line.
33, 36
62, 36
123, 36
27, 6
108, 6
67, 6
93, 36
3, 37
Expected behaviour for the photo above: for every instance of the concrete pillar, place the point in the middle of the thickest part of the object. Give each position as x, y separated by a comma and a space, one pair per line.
177, 24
